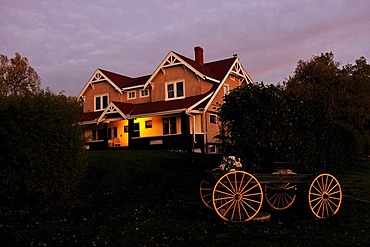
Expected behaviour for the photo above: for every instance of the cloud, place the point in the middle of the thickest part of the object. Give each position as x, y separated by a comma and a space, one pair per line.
66, 41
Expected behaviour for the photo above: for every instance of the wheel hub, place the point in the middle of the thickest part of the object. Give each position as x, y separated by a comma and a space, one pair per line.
238, 196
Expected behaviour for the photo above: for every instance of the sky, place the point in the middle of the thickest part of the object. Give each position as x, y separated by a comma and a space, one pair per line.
66, 41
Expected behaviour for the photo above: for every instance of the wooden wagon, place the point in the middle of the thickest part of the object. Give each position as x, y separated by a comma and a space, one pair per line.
238, 195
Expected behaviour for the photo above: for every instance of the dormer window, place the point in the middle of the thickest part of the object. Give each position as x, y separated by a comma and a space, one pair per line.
100, 102
131, 95
175, 90
144, 93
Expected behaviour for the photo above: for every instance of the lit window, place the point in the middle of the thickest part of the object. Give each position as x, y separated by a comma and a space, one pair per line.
169, 125
101, 102
148, 124
175, 90
131, 95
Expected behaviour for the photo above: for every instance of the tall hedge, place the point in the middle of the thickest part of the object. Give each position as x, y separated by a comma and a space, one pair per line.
267, 124
42, 156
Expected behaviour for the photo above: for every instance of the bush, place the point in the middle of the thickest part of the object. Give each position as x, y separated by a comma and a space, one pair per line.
42, 156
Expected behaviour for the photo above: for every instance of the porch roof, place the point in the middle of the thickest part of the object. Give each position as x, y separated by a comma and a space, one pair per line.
88, 116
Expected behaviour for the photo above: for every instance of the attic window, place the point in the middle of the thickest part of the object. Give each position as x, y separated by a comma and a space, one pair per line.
175, 90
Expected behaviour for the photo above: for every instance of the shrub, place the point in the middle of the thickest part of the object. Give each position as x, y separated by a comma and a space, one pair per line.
42, 156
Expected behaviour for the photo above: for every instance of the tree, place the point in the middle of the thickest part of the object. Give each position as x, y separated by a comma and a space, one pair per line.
17, 77
266, 124
42, 155
342, 95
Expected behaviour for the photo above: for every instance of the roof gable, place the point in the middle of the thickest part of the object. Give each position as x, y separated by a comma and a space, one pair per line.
101, 76
214, 71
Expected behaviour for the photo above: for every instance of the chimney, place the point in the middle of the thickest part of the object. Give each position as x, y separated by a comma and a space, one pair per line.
199, 55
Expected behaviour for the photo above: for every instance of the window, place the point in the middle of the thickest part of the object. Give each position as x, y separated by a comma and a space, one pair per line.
169, 126
136, 132
101, 102
213, 118
125, 129
131, 95
175, 90
148, 124
144, 93
212, 149
226, 89
98, 134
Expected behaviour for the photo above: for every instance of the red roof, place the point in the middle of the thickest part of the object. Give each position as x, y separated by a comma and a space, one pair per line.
159, 106
88, 116
216, 70
123, 81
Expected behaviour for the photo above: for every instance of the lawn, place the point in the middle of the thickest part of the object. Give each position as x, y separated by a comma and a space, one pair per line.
151, 198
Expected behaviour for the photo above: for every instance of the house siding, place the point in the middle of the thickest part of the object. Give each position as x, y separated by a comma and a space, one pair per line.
98, 89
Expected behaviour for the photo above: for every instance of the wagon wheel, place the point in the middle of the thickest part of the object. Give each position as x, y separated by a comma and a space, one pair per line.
237, 196
206, 193
325, 196
280, 196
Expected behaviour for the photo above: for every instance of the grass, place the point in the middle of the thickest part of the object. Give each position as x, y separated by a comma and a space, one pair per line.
151, 198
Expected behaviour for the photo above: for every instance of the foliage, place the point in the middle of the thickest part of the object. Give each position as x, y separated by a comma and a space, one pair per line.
318, 121
266, 124
230, 164
42, 156
342, 95
17, 77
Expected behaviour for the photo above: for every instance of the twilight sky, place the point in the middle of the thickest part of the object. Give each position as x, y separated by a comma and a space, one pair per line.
65, 41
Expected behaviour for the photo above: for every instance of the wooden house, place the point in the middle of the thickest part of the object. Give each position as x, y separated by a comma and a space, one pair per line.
174, 108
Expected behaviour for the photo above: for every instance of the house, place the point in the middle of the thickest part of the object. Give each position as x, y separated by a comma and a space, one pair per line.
175, 107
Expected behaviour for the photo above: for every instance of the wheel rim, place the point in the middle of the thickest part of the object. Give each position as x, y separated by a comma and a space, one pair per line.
280, 196
237, 196
325, 196
206, 193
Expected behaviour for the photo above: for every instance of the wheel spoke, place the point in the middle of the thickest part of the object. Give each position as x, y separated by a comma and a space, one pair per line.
237, 197
231, 184
223, 192
328, 199
226, 187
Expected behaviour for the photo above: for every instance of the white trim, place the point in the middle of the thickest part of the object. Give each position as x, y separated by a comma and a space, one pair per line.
248, 79
98, 76
111, 108
199, 102
172, 59
161, 113
132, 87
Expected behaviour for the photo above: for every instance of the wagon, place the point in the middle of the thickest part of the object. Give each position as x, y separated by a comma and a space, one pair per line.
238, 195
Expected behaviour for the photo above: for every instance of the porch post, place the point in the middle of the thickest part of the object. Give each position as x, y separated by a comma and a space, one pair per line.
130, 132
185, 132
105, 130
